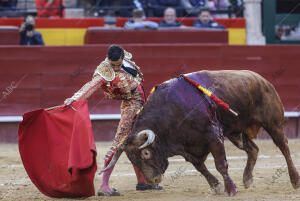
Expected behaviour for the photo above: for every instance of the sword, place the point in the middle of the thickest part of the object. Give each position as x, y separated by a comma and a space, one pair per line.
70, 106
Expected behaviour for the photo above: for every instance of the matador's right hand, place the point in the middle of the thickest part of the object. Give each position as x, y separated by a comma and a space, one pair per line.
69, 101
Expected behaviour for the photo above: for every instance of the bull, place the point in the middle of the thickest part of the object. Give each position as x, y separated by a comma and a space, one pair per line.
179, 120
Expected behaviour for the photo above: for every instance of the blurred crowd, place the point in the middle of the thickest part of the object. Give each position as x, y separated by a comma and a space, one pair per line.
155, 8
121, 8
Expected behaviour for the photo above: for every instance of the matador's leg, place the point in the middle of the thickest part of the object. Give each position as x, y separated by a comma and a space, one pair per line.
128, 112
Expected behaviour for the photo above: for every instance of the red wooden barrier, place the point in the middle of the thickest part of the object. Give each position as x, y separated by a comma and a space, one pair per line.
103, 36
9, 35
33, 77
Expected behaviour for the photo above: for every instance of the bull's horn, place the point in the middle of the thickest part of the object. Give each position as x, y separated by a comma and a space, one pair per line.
113, 160
151, 137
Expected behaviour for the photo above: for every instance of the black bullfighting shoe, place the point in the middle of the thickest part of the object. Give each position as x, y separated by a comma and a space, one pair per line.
143, 187
113, 192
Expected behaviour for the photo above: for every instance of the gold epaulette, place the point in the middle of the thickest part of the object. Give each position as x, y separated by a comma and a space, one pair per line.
105, 71
127, 55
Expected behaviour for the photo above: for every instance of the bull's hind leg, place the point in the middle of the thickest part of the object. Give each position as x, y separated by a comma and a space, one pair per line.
252, 151
281, 141
245, 143
218, 152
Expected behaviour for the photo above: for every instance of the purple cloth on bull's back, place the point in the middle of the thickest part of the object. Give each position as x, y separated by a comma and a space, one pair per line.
58, 150
188, 88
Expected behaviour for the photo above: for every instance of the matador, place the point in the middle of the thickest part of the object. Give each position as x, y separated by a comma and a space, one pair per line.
120, 78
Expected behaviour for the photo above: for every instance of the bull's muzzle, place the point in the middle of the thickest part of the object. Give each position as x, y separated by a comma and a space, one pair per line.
155, 180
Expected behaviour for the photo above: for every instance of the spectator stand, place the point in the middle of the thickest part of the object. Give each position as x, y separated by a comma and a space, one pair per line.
71, 29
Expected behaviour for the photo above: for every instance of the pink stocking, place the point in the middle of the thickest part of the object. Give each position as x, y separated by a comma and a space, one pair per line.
105, 180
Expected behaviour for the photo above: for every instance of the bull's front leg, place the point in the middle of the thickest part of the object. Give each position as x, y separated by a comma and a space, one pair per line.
215, 185
217, 149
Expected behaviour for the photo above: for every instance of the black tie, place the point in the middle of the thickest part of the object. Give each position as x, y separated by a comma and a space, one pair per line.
131, 71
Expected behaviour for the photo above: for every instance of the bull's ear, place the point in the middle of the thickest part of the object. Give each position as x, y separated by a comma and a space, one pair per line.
133, 140
141, 139
130, 143
129, 140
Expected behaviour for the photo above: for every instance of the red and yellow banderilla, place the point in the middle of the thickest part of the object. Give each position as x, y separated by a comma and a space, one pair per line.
211, 95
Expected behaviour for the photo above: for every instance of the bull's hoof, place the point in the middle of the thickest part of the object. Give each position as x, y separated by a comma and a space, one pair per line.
247, 183
232, 192
217, 189
296, 185
247, 180
230, 189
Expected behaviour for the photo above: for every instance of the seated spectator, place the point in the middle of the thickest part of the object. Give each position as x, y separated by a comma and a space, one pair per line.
110, 21
28, 35
129, 5
157, 7
237, 7
105, 7
89, 7
122, 8
8, 4
193, 7
138, 21
170, 19
205, 20
218, 5
290, 33
50, 8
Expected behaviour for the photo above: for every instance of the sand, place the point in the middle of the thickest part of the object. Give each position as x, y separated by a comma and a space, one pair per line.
181, 181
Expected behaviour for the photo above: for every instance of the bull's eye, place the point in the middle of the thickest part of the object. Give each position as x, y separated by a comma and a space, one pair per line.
146, 154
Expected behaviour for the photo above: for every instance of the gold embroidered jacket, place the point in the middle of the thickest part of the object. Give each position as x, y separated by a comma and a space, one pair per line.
116, 85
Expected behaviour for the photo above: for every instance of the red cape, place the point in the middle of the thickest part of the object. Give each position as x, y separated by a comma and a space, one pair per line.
58, 150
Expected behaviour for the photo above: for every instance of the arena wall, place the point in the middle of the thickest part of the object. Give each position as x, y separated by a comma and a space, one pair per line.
41, 77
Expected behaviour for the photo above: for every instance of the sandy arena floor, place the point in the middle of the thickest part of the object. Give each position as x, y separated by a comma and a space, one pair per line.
181, 181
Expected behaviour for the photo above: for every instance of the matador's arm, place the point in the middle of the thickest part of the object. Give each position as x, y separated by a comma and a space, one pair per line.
89, 88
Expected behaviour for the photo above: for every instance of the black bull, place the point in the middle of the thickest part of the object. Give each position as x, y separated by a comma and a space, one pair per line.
180, 120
